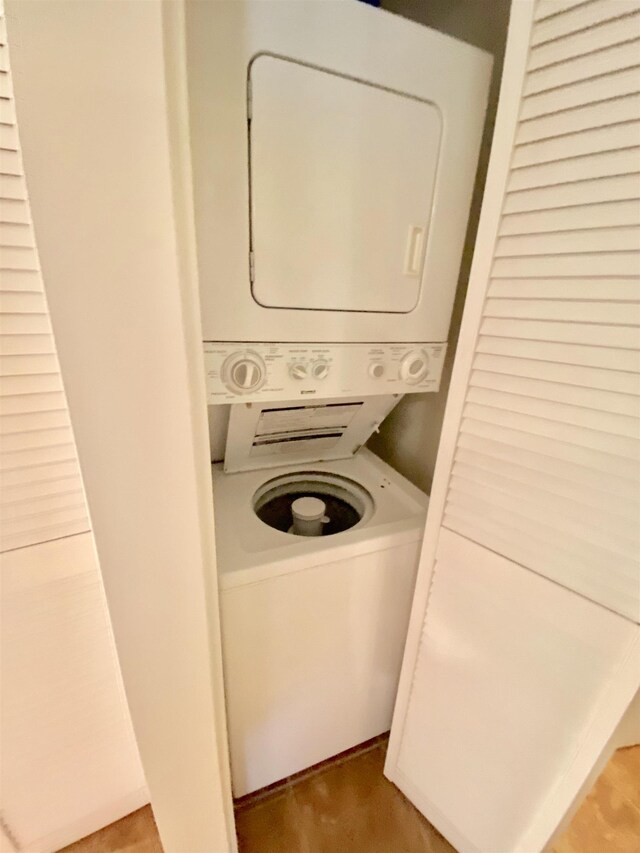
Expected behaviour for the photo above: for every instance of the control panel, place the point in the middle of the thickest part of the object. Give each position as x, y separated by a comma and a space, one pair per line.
252, 372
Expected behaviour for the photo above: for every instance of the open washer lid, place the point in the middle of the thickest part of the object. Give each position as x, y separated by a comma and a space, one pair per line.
267, 435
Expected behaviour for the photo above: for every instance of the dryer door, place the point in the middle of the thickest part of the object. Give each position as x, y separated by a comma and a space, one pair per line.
342, 177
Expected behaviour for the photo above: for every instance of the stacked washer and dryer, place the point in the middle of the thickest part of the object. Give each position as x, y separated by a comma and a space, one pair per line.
334, 153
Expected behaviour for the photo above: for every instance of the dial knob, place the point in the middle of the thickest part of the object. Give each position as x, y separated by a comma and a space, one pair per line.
414, 366
244, 372
319, 369
298, 371
376, 370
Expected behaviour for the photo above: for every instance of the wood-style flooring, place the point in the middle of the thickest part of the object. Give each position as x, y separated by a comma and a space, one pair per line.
347, 806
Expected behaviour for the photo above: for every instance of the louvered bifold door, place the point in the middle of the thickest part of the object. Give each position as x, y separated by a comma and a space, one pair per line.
547, 466
523, 644
41, 494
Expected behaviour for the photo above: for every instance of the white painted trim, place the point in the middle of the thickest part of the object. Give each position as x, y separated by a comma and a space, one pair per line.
499, 165
174, 30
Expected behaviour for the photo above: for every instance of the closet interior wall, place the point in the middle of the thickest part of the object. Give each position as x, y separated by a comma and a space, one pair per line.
408, 439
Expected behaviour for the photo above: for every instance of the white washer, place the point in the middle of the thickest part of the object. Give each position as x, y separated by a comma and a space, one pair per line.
313, 628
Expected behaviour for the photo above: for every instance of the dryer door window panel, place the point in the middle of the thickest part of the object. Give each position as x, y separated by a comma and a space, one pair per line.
342, 178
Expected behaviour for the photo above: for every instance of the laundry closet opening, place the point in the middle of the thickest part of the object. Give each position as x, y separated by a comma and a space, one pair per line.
333, 180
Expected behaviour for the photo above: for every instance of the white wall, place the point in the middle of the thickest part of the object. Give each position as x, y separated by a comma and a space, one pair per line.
409, 438
110, 219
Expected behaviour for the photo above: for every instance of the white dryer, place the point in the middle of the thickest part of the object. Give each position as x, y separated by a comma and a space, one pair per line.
313, 627
334, 150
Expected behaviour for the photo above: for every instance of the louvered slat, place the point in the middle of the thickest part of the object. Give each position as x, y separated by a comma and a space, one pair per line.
616, 188
15, 211
619, 239
26, 345
34, 490
571, 265
551, 8
605, 165
578, 436
7, 112
24, 511
23, 303
41, 532
578, 94
25, 386
610, 289
604, 215
40, 483
571, 311
606, 61
603, 400
45, 401
609, 530
13, 187
589, 356
29, 479
13, 443
603, 531
24, 324
15, 234
581, 17
574, 333
601, 114
10, 163
616, 425
603, 472
594, 141
568, 375
530, 471
29, 421
33, 457
585, 41
19, 365
18, 258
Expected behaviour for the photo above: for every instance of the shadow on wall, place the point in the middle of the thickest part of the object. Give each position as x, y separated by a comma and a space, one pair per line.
408, 440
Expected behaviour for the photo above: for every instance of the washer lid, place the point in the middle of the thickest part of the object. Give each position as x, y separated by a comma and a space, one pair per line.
266, 435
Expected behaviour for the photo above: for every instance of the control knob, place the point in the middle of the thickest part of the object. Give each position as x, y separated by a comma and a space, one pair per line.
243, 372
414, 366
320, 369
376, 370
298, 370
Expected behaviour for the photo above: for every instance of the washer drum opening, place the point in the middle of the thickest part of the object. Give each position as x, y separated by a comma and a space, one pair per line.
347, 502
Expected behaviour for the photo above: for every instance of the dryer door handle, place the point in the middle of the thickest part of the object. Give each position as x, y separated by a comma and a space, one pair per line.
413, 255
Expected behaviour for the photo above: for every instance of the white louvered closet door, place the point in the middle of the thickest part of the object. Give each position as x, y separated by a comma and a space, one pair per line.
523, 648
70, 762
41, 493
